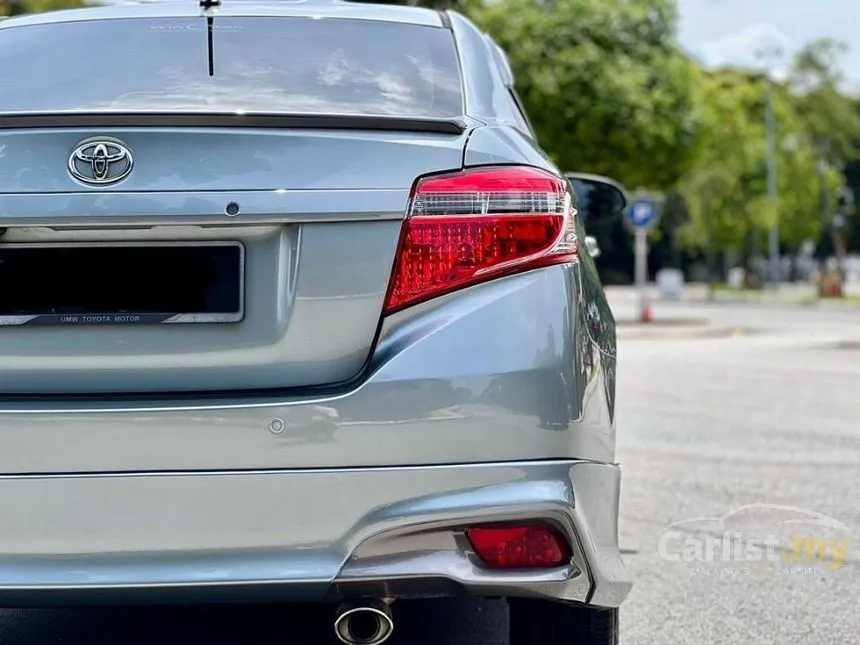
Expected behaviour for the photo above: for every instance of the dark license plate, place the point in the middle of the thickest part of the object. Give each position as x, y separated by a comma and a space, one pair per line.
121, 283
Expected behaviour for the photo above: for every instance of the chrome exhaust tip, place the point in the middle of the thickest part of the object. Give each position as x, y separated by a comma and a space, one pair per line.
366, 622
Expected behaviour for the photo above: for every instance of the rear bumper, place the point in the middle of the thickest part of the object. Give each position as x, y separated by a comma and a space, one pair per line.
300, 535
504, 371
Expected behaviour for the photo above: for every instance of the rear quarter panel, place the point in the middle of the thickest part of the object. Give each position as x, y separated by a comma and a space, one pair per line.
503, 141
593, 329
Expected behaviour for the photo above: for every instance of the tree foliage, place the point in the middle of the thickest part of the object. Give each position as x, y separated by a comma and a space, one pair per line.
727, 189
17, 7
814, 122
830, 117
604, 83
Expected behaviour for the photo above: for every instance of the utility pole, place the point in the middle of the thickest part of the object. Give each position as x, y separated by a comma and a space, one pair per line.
843, 211
772, 190
825, 194
771, 54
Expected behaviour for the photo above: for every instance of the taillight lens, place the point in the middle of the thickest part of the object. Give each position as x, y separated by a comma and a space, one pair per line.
519, 547
471, 226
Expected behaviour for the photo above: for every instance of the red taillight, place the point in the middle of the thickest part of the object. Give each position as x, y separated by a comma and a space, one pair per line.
478, 224
520, 547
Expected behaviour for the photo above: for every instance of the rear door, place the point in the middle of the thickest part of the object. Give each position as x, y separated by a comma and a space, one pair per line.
251, 244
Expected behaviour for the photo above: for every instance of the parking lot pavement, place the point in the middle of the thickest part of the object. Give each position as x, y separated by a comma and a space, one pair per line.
762, 428
707, 427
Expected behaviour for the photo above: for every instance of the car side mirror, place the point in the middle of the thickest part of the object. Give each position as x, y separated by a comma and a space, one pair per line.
592, 247
599, 198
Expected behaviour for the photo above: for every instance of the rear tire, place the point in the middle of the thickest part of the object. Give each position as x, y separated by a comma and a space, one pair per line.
546, 622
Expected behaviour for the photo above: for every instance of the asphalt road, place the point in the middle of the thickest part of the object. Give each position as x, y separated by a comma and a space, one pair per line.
706, 428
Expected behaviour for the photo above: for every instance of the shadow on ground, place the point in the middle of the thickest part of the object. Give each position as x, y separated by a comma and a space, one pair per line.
437, 622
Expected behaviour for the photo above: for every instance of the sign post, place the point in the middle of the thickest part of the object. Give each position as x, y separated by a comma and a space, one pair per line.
642, 214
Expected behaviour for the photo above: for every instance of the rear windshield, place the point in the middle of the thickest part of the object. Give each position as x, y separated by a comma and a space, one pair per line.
262, 65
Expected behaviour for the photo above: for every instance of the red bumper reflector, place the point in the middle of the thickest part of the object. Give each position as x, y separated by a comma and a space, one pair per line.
519, 547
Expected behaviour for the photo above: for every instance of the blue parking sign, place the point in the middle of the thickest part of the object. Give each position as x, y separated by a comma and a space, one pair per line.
642, 212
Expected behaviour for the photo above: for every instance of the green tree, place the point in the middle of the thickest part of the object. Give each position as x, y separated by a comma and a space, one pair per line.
726, 191
459, 5
17, 7
831, 124
729, 170
829, 116
604, 83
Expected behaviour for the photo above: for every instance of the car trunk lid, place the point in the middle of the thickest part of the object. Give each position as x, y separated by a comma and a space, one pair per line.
293, 138
318, 226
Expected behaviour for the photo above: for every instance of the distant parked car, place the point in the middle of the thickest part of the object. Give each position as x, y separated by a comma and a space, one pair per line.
260, 275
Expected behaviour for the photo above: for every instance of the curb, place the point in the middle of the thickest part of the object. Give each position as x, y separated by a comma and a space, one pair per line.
796, 302
662, 322
848, 345
837, 304
806, 303
691, 333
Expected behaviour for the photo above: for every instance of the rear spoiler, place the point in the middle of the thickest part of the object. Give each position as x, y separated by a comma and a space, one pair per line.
8, 121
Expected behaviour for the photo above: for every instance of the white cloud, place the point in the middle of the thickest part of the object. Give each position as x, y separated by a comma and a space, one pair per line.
748, 48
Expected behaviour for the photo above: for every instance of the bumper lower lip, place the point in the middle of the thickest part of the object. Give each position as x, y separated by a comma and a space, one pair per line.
299, 535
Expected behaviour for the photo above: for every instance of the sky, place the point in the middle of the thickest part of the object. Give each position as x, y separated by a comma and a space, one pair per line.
723, 32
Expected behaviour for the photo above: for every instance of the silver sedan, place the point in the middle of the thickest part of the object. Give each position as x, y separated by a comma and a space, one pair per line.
294, 308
